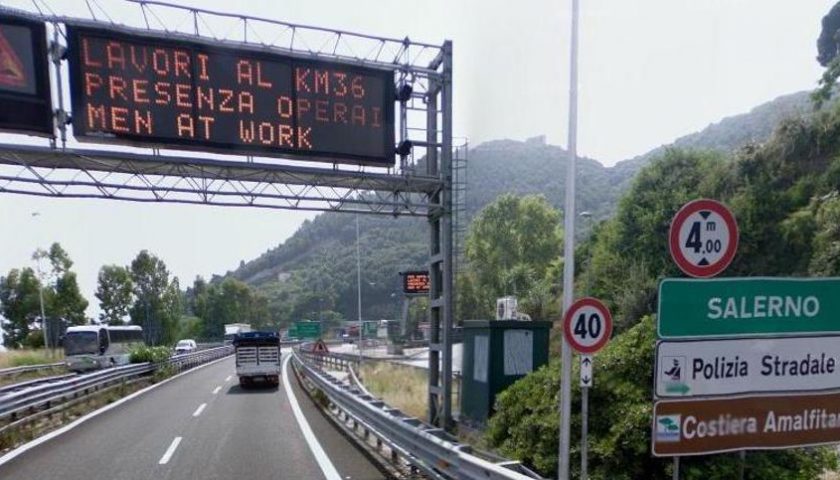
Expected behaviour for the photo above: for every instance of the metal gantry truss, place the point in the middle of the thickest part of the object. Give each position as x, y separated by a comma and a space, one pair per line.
419, 185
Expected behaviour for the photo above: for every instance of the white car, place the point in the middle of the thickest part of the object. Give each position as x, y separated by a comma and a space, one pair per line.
185, 346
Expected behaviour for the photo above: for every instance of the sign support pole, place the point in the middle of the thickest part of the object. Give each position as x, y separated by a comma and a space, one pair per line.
742, 463
584, 431
569, 258
676, 475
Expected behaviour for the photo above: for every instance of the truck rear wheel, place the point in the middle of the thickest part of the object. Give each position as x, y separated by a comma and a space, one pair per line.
244, 382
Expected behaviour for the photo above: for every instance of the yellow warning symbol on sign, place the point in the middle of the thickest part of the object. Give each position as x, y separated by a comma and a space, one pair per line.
11, 68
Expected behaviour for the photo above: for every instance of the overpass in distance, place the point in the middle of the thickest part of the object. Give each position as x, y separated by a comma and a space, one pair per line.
199, 425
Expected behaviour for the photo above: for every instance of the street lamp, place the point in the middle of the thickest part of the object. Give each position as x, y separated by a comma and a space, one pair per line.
37, 256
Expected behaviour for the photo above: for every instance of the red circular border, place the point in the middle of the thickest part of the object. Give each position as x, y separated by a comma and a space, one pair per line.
570, 315
674, 238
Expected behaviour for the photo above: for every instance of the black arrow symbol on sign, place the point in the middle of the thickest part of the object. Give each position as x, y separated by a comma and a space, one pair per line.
585, 379
705, 214
703, 262
586, 361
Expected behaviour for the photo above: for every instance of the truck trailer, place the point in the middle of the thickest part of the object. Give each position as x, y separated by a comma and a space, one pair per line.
257, 358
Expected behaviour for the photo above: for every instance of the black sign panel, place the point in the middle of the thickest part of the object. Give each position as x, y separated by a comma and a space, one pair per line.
25, 103
137, 89
416, 283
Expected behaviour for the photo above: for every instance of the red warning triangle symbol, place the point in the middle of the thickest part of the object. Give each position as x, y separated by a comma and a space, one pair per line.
11, 68
320, 347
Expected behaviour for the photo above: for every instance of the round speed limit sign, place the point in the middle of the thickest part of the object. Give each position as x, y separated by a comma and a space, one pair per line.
587, 325
703, 238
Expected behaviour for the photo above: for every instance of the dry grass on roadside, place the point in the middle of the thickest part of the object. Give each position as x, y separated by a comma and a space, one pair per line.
18, 358
400, 386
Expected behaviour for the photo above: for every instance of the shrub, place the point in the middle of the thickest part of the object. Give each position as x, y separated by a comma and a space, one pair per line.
144, 353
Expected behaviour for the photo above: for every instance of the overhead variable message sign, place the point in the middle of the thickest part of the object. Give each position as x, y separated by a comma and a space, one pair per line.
416, 283
703, 238
725, 367
694, 427
25, 102
753, 306
131, 88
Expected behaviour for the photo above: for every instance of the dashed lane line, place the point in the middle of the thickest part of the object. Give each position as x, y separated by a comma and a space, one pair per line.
170, 451
199, 409
216, 390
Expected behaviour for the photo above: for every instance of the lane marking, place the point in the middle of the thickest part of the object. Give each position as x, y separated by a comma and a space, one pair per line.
199, 409
320, 456
228, 378
40, 440
216, 390
170, 451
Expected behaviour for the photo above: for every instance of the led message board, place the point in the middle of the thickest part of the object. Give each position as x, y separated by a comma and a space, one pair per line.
25, 103
130, 88
416, 283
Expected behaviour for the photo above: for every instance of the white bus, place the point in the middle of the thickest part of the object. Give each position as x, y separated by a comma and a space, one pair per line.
90, 347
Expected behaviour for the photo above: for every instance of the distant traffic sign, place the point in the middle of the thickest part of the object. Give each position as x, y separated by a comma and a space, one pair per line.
694, 427
751, 306
703, 238
308, 330
587, 325
724, 367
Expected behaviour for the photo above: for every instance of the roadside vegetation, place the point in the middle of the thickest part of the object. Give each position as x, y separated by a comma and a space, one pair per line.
400, 386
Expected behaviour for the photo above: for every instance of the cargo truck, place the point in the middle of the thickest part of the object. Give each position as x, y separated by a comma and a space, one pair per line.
257, 358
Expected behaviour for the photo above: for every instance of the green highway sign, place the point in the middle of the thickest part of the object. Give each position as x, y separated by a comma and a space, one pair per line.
370, 329
308, 329
750, 306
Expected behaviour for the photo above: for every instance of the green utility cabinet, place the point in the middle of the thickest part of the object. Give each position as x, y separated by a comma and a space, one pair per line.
496, 354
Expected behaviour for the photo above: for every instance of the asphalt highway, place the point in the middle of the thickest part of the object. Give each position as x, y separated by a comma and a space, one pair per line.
200, 426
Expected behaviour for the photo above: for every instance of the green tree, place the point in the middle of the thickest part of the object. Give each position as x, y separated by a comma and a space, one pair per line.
67, 301
19, 305
509, 247
828, 46
114, 291
157, 304
62, 297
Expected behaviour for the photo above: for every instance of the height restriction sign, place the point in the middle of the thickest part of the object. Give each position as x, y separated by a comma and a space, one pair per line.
703, 238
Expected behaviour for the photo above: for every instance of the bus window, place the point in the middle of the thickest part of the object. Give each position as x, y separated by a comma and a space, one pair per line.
80, 343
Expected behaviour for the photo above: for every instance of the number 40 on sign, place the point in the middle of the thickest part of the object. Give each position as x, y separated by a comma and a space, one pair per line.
587, 325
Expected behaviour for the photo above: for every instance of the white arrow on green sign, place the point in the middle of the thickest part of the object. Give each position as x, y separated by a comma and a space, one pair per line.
751, 306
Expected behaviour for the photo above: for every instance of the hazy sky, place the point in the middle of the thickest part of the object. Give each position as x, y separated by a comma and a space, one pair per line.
651, 70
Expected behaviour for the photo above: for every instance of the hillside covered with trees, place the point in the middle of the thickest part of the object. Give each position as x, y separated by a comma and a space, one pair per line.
312, 274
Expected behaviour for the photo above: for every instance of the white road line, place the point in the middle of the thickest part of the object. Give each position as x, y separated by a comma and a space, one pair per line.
320, 456
216, 390
199, 409
43, 439
228, 378
170, 451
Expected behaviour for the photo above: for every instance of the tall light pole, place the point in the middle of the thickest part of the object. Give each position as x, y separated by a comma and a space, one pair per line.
359, 287
37, 256
569, 257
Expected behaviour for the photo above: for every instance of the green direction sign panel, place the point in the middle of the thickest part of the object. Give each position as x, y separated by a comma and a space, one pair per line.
370, 329
308, 329
732, 307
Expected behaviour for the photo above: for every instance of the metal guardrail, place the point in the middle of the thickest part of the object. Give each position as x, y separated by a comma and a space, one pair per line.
430, 449
29, 368
29, 401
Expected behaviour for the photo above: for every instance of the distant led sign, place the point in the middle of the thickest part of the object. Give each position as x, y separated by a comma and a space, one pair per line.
416, 283
129, 88
25, 104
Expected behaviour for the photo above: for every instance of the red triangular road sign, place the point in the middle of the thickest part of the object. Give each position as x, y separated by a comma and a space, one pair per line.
320, 347
11, 68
